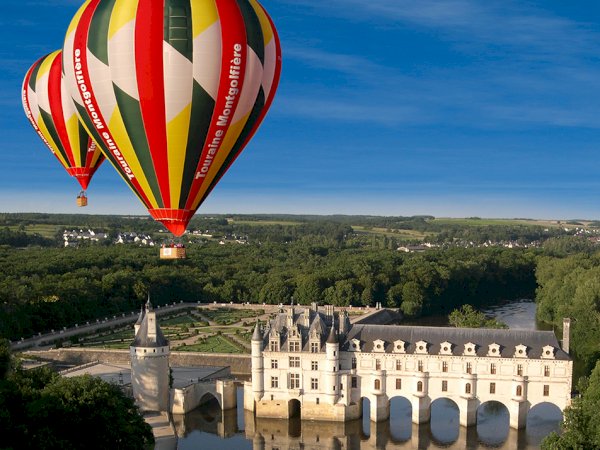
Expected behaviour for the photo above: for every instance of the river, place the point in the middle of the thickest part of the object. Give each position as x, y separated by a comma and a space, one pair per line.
209, 428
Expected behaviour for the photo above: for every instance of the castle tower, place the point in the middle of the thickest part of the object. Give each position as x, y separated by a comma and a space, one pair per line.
149, 354
258, 384
332, 355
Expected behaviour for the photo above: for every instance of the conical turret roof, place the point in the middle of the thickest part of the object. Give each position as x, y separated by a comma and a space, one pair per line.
333, 337
257, 335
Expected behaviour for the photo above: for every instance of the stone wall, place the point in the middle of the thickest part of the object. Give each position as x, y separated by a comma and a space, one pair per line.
239, 364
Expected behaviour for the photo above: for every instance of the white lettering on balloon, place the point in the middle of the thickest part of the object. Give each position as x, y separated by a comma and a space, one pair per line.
97, 119
225, 116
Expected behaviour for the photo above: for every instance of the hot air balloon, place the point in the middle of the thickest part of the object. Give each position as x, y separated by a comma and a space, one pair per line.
172, 90
51, 111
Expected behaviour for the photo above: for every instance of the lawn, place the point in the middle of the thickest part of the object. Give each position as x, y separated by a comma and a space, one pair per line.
211, 344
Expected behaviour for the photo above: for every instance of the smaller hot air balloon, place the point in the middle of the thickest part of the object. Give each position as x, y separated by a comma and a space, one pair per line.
50, 109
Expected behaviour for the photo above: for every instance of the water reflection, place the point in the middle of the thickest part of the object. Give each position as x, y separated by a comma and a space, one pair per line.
210, 428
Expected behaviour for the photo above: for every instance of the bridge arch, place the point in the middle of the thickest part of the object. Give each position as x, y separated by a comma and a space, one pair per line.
493, 422
400, 418
365, 413
543, 418
209, 399
445, 420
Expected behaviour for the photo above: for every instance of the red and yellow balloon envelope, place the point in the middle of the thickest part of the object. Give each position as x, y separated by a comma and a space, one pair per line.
172, 90
51, 111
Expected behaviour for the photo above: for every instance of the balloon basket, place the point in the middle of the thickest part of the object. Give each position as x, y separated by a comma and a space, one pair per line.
82, 200
172, 253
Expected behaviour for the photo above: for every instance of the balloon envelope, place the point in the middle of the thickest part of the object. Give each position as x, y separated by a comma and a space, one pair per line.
172, 90
51, 112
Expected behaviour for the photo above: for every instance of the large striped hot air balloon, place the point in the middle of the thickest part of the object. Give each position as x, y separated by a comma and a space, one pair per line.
172, 90
51, 111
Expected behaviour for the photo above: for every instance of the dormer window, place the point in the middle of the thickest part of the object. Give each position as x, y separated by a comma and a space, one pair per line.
355, 345
273, 345
469, 349
548, 352
493, 350
520, 351
421, 347
445, 348
399, 346
379, 346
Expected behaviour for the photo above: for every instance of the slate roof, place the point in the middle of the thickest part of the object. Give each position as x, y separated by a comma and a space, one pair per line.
317, 322
481, 337
143, 340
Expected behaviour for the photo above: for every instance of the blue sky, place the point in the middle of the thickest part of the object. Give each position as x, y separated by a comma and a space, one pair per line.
391, 107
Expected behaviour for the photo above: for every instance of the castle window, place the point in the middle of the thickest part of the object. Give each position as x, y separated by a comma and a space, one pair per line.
493, 369
274, 382
419, 386
274, 364
317, 400
314, 384
314, 347
398, 364
377, 385
468, 388
294, 361
294, 346
444, 386
334, 353
354, 382
377, 364
294, 381
354, 363
492, 388
420, 366
546, 390
314, 365
469, 368
520, 369
444, 366
273, 346
546, 371
398, 383
519, 390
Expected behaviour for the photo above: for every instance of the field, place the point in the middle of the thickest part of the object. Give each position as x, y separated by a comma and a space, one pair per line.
263, 222
45, 230
396, 233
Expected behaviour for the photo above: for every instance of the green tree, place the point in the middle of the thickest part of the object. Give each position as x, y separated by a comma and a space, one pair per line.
469, 317
41, 410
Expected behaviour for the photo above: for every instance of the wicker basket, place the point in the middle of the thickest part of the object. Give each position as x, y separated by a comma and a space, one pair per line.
172, 253
81, 200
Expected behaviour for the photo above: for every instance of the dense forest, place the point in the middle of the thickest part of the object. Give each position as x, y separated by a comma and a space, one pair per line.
47, 288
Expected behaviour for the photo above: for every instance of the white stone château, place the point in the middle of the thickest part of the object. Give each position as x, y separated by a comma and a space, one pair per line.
149, 354
317, 364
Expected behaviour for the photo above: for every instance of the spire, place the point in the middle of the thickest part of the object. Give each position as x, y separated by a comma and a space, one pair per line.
333, 337
257, 335
148, 304
141, 315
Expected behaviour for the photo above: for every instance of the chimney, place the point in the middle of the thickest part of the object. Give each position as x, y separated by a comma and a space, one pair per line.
566, 334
